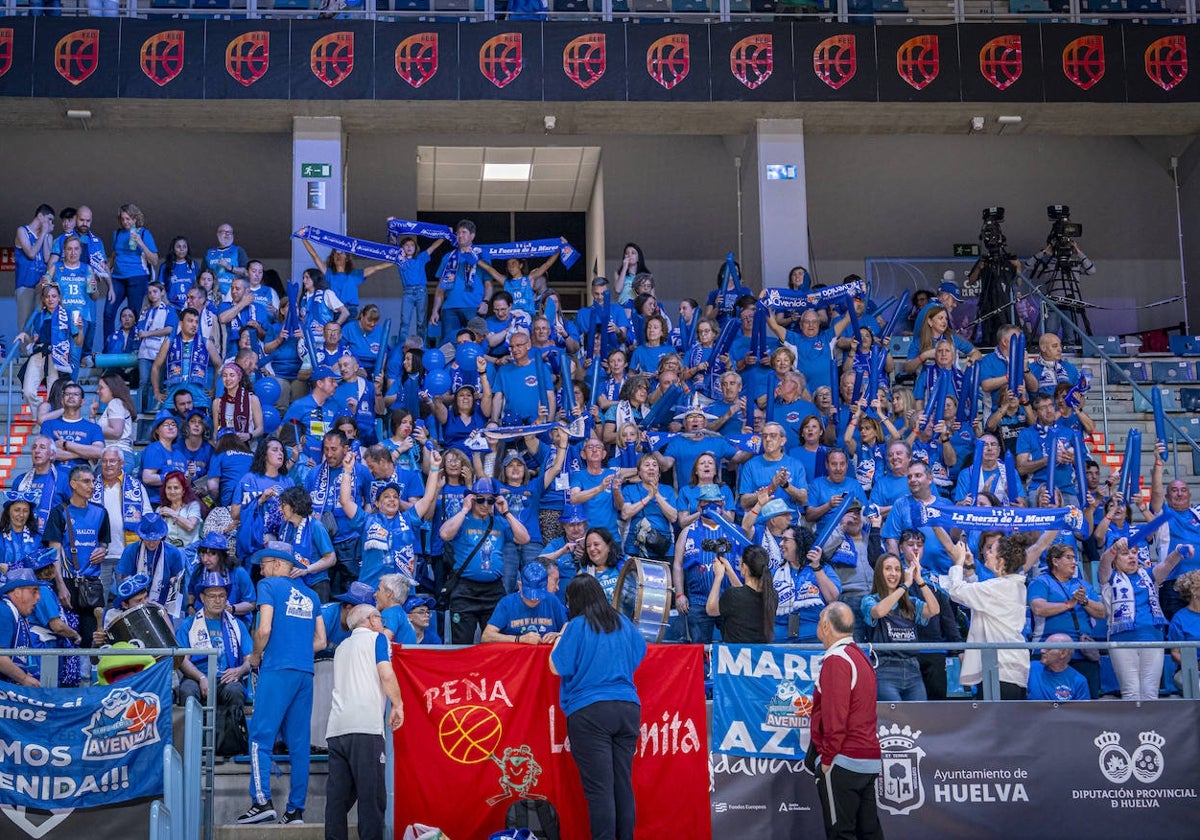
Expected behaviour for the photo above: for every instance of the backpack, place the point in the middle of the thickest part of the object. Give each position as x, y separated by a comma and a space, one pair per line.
537, 815
230, 735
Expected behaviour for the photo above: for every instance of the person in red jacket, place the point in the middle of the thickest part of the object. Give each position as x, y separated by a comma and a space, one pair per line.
844, 750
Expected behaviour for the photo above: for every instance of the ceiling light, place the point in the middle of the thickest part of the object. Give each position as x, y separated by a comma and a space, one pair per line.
506, 171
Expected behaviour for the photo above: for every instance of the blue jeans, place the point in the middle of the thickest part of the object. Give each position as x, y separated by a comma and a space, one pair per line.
454, 320
133, 288
899, 678
412, 313
700, 624
516, 558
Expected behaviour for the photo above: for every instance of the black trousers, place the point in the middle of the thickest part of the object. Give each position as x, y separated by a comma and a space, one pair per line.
471, 605
847, 804
933, 674
603, 740
356, 773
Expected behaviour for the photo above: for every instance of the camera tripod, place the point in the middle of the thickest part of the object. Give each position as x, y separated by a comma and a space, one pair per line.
997, 304
1061, 286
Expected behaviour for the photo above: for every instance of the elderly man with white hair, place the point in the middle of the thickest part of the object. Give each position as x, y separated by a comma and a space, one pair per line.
1053, 678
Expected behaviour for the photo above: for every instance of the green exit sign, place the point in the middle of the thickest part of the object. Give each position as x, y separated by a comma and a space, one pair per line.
970, 249
316, 170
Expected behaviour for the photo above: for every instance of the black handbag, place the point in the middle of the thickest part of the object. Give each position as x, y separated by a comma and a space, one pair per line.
452, 579
87, 593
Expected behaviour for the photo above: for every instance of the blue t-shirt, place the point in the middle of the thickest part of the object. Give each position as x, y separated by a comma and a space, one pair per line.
1144, 629
685, 450
412, 272
468, 281
229, 468
216, 636
822, 490
935, 558
1184, 527
805, 600
158, 457
813, 358
597, 666
1185, 626
345, 285
488, 563
514, 617
526, 504
88, 528
313, 422
758, 472
15, 633
389, 546
1032, 442
599, 509
645, 358
888, 488
1067, 684
80, 431
130, 259
633, 494
1054, 591
195, 461
293, 624
524, 389
396, 620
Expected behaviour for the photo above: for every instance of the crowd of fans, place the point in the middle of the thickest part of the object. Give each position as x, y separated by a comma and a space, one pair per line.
457, 470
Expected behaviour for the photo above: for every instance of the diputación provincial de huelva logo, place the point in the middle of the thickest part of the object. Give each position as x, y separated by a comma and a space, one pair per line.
1146, 764
125, 721
899, 788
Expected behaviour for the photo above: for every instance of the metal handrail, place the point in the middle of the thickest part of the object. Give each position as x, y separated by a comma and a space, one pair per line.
8, 367
1091, 348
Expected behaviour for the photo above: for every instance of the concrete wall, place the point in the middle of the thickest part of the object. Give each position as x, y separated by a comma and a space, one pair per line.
869, 195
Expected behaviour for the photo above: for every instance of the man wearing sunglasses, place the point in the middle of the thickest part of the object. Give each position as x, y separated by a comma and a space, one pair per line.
476, 536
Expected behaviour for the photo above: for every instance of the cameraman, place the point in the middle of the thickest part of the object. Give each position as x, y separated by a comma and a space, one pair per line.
1060, 262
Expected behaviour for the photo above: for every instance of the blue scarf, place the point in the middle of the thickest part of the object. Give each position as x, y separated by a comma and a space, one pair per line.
60, 338
321, 492
314, 313
1123, 604
450, 270
199, 637
789, 299
379, 534
731, 286
198, 357
531, 248
399, 227
353, 245
133, 497
996, 519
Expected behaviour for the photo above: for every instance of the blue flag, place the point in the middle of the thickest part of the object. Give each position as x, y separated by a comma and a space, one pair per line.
98, 745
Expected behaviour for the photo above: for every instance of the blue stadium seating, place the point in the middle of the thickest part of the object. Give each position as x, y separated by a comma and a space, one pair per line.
1024, 7
1134, 370
1185, 345
1173, 372
571, 6
1169, 403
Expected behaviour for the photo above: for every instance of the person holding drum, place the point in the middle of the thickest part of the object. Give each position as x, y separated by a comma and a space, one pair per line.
160, 562
213, 626
128, 594
19, 596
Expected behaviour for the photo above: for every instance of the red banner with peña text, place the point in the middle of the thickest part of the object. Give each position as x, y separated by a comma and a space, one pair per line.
483, 729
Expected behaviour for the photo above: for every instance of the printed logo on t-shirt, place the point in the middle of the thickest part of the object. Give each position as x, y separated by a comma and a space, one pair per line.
299, 606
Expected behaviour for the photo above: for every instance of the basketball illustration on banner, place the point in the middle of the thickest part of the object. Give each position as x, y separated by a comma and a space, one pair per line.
471, 734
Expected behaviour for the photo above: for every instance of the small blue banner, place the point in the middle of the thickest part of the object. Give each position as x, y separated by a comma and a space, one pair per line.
762, 700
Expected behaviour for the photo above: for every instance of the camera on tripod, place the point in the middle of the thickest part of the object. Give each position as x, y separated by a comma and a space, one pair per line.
1063, 232
720, 546
991, 235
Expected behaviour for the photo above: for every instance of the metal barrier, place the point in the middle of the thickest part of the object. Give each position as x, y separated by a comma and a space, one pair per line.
1091, 348
718, 11
188, 781
9, 381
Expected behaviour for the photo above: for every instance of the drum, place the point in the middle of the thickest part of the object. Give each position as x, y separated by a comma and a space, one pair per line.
144, 626
644, 595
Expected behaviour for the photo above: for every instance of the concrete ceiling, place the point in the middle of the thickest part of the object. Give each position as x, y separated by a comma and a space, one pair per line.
560, 178
600, 118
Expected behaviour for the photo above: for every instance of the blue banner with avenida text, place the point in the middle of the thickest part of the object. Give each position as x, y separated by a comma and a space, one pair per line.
762, 700
62, 748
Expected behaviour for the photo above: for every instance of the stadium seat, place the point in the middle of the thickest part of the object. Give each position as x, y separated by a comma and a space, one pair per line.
1024, 7
1169, 403
213, 4
571, 6
888, 6
1134, 370
408, 5
1104, 6
1173, 372
170, 4
1110, 345
1189, 400
1185, 345
690, 6
898, 346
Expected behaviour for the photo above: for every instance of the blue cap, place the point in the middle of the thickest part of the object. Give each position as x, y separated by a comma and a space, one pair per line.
572, 514
41, 559
951, 289
152, 527
533, 582
18, 578
774, 507
710, 493
415, 601
485, 487
323, 372
129, 587
213, 542
274, 549
391, 485
213, 580
358, 593
161, 418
